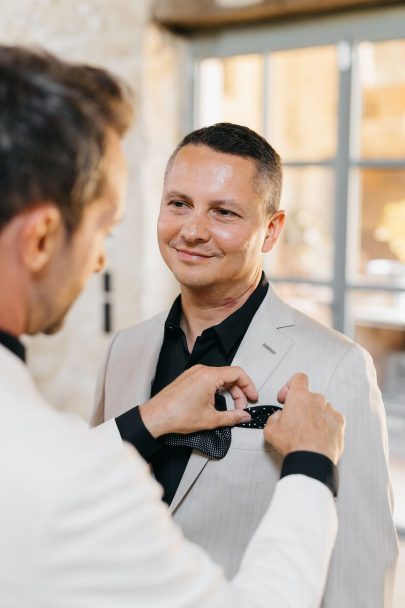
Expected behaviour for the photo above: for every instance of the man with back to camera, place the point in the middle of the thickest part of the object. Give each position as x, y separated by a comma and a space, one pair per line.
81, 521
219, 213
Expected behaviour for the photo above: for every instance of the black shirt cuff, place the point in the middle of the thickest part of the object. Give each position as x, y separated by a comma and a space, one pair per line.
314, 465
133, 430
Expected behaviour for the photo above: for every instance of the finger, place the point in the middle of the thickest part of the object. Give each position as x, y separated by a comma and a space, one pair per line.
282, 394
298, 381
230, 418
274, 418
238, 396
271, 425
270, 429
231, 376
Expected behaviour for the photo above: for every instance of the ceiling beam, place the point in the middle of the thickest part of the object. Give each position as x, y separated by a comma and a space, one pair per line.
197, 14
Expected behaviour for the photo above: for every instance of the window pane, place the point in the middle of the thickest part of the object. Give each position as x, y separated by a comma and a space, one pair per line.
378, 226
231, 90
303, 103
379, 325
382, 94
305, 247
313, 301
378, 319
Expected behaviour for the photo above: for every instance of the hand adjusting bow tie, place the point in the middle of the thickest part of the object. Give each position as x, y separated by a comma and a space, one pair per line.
217, 442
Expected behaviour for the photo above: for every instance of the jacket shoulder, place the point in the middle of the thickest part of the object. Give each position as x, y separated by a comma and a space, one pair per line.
326, 344
315, 328
333, 349
141, 332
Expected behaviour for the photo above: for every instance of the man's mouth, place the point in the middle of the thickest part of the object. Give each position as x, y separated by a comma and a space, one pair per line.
192, 254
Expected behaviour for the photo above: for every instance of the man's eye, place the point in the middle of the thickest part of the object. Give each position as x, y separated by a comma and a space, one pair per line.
226, 213
177, 204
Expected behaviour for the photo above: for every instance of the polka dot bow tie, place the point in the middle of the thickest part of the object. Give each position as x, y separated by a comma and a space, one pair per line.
217, 442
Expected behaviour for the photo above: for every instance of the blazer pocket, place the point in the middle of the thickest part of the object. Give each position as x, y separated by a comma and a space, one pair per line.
250, 439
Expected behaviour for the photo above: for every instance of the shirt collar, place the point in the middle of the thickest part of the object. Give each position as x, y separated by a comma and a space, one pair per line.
174, 316
233, 327
13, 344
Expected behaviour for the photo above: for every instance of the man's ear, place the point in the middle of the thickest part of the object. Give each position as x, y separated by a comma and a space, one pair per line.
41, 231
275, 225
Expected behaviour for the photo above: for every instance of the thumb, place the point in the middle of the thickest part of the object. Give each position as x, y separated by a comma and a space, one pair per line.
299, 380
274, 418
272, 426
231, 417
272, 423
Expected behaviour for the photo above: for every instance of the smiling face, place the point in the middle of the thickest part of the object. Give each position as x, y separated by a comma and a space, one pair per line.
212, 226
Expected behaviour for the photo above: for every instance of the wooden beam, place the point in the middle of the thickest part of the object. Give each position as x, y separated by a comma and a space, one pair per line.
197, 14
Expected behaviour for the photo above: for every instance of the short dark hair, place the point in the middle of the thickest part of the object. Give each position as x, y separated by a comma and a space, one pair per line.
239, 140
54, 123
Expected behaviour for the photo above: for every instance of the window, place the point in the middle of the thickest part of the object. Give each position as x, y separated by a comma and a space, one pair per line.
330, 96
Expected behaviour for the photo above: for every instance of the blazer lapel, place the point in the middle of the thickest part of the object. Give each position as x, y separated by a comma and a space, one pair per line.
143, 385
131, 373
145, 372
264, 346
194, 467
260, 352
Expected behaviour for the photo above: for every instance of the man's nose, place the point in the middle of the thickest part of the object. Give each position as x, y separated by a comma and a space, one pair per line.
196, 228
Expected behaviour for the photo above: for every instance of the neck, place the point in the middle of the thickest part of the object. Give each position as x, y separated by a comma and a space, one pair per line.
16, 279
11, 321
203, 310
12, 314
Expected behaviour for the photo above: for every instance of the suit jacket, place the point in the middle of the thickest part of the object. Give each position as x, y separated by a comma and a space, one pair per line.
82, 524
219, 503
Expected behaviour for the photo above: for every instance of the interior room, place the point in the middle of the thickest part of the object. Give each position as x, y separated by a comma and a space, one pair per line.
324, 82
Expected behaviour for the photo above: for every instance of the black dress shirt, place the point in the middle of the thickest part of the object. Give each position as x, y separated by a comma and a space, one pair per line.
216, 346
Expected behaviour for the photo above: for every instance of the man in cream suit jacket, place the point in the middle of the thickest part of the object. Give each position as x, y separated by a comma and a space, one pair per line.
81, 521
219, 214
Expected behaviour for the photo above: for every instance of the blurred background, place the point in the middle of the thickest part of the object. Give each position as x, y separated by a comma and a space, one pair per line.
324, 82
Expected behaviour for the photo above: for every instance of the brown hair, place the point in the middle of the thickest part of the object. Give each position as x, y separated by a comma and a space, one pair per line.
54, 121
235, 139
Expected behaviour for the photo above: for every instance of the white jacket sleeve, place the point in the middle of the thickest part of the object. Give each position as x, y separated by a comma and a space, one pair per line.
109, 541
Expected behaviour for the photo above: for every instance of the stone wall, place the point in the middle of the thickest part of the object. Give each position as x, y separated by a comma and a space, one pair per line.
119, 35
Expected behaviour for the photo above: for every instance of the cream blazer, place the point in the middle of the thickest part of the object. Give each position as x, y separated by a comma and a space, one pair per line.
82, 524
219, 503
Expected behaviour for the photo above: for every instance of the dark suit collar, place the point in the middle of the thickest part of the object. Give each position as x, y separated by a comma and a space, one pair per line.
13, 344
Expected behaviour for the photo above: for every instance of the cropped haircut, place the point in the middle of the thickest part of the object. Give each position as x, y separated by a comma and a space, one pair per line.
241, 141
54, 123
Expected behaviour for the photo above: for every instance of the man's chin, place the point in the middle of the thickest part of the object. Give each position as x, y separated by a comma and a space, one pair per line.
193, 281
52, 329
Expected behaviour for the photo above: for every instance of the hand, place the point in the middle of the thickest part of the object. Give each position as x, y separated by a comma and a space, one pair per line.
187, 404
307, 422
